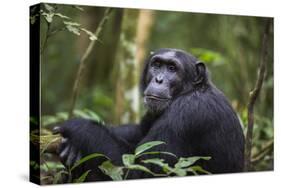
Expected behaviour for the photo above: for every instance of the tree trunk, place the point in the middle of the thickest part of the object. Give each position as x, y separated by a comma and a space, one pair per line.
127, 94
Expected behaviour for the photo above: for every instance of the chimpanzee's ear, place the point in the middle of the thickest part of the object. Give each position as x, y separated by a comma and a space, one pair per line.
201, 73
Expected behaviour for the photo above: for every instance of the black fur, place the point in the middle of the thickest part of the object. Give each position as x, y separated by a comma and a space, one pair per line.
198, 121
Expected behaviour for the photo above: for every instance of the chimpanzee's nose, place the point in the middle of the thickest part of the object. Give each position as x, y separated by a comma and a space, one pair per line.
159, 79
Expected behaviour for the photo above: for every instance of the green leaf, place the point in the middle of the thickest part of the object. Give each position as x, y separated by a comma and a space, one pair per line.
159, 162
179, 171
115, 172
71, 23
92, 36
58, 176
186, 162
47, 120
157, 153
82, 177
208, 56
48, 16
142, 168
146, 146
195, 169
87, 114
62, 16
49, 7
62, 115
92, 115
72, 29
49, 165
85, 159
80, 113
128, 159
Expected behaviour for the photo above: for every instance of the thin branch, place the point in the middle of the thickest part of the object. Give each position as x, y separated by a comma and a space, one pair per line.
264, 152
254, 95
44, 44
82, 64
49, 34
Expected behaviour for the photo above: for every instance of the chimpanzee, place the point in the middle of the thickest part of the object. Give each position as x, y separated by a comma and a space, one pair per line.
184, 110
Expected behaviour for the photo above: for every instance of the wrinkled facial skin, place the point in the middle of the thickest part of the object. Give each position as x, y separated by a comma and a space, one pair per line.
164, 78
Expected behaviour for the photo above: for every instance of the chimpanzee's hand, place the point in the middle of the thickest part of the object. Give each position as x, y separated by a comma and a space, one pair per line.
67, 150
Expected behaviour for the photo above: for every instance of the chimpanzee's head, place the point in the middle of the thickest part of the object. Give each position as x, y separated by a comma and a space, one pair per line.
167, 74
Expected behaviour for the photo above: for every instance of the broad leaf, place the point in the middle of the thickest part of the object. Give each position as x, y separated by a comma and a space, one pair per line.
146, 146
49, 7
142, 168
179, 171
82, 177
85, 159
71, 23
186, 162
47, 120
128, 159
87, 114
159, 162
195, 169
115, 172
157, 153
92, 115
62, 115
72, 29
48, 16
80, 113
62, 16
209, 56
58, 176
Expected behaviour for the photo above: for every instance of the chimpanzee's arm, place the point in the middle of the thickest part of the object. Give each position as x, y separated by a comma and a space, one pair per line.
83, 137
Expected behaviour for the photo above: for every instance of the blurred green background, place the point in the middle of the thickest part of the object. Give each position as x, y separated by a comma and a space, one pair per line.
229, 45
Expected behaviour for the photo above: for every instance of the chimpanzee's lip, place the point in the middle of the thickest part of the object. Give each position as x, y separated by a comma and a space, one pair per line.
154, 97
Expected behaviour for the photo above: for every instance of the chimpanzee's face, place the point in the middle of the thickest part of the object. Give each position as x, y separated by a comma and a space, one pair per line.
164, 79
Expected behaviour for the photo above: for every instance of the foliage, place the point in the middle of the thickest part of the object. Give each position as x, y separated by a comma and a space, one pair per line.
229, 45
51, 170
63, 116
263, 135
49, 12
181, 168
208, 56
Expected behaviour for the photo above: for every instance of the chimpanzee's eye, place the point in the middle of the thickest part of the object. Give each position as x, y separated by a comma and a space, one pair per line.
172, 68
156, 64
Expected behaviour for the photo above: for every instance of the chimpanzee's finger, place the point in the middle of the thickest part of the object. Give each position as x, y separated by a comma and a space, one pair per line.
63, 130
62, 145
57, 130
71, 157
64, 154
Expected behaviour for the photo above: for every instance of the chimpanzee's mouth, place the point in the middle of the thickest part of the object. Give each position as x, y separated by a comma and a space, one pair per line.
154, 97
